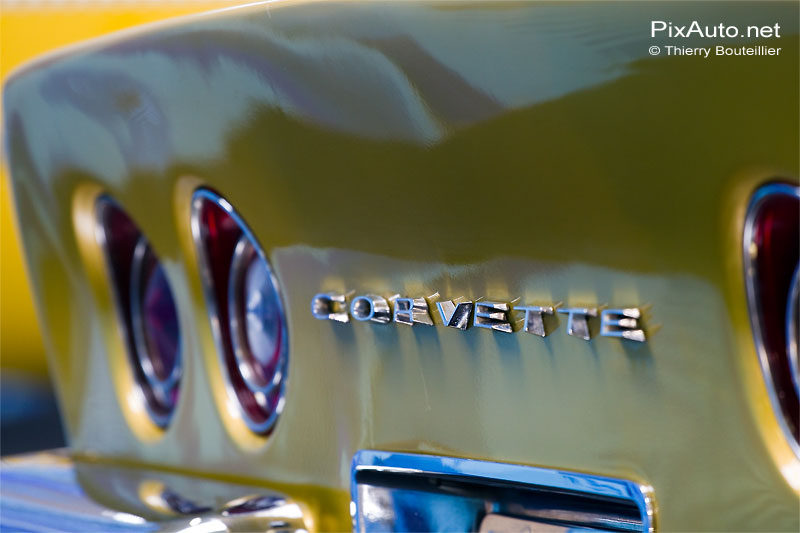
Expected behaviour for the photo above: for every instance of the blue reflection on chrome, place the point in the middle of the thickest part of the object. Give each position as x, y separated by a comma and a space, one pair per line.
400, 502
41, 493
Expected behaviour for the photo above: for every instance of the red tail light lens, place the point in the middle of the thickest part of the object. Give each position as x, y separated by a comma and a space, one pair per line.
146, 308
772, 256
155, 322
246, 310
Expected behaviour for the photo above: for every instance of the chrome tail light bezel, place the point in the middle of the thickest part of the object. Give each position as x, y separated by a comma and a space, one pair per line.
793, 329
228, 332
754, 300
158, 395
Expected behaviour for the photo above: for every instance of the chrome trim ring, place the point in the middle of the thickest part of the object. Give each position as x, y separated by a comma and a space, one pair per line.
154, 394
793, 328
753, 298
161, 387
244, 254
260, 391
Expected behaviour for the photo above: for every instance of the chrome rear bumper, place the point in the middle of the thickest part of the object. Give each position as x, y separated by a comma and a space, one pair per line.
415, 492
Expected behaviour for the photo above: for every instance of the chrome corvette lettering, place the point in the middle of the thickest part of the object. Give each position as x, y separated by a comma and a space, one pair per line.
371, 307
412, 311
330, 306
624, 323
492, 315
534, 318
578, 321
455, 316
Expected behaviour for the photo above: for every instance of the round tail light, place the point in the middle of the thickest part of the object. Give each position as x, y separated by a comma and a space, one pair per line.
772, 260
146, 308
256, 319
155, 323
246, 310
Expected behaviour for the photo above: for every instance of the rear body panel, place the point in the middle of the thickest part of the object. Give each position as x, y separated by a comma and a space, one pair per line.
499, 150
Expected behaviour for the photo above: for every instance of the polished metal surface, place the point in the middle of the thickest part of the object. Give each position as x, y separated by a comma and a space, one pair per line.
405, 491
48, 491
793, 329
262, 390
253, 503
534, 321
455, 315
162, 388
42, 493
164, 499
497, 523
255, 319
330, 306
412, 311
371, 307
622, 323
578, 321
750, 250
492, 315
154, 395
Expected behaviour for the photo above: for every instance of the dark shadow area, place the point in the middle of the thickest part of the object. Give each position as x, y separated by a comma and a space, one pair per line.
29, 417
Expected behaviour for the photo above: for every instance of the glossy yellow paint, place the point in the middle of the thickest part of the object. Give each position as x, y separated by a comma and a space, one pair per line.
157, 498
28, 30
417, 161
136, 483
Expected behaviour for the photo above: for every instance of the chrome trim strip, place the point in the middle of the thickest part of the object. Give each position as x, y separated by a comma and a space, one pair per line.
201, 195
588, 484
753, 296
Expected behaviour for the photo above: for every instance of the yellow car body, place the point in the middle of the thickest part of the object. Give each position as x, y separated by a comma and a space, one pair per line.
54, 25
527, 152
